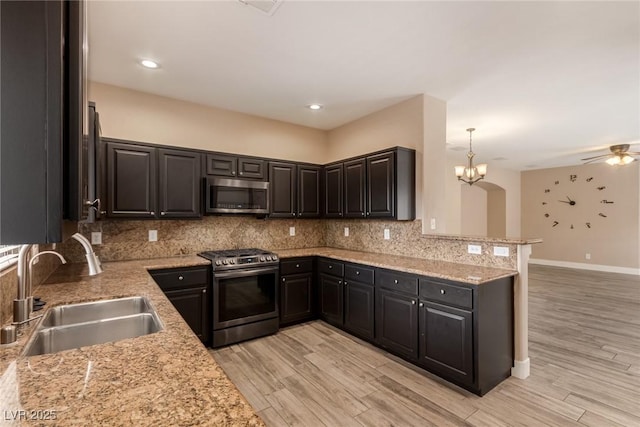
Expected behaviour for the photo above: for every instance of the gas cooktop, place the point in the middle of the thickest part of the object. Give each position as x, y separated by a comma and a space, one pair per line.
240, 258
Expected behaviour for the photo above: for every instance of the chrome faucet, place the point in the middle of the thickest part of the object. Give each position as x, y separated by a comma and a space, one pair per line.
23, 304
92, 258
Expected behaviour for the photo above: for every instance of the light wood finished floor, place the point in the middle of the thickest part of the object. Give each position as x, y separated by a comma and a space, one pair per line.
585, 368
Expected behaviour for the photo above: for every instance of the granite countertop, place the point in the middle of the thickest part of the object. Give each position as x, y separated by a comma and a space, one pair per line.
465, 273
165, 378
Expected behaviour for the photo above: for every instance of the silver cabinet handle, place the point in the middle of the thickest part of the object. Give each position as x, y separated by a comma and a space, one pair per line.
294, 214
284, 280
362, 214
357, 273
413, 302
241, 173
163, 213
204, 291
297, 265
152, 213
233, 172
180, 278
442, 292
395, 281
345, 283
421, 305
340, 214
368, 213
339, 282
330, 267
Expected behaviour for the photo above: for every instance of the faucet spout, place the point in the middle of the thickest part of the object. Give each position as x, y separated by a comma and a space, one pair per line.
92, 260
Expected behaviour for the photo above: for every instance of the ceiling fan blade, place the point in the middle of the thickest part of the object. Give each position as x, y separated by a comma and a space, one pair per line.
597, 157
593, 160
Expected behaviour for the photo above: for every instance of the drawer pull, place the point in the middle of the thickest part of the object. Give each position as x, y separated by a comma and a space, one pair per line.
297, 265
339, 282
395, 281
442, 292
413, 302
180, 278
204, 291
330, 267
284, 280
421, 304
357, 273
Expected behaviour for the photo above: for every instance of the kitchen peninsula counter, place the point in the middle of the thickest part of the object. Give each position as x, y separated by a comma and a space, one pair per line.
465, 273
165, 378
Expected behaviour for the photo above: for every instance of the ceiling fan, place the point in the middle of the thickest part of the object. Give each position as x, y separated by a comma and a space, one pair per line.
620, 155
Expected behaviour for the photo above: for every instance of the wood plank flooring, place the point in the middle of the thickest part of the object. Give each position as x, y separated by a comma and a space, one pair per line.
584, 345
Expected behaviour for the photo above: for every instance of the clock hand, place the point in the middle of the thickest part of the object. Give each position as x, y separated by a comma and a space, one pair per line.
569, 199
570, 202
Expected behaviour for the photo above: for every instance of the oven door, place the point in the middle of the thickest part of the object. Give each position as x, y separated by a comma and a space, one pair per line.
244, 296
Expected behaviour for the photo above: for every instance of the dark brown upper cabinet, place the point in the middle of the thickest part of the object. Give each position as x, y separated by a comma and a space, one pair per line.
380, 185
295, 190
179, 183
234, 166
40, 73
148, 182
333, 191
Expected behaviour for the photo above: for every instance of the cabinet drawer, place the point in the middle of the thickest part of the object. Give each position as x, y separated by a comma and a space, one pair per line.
181, 278
397, 281
334, 268
296, 265
358, 273
446, 293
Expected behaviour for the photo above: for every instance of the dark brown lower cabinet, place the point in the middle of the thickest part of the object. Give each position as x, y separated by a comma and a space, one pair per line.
397, 323
189, 291
446, 338
358, 309
296, 298
330, 299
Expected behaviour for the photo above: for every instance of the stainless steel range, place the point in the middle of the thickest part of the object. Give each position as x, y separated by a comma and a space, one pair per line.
245, 294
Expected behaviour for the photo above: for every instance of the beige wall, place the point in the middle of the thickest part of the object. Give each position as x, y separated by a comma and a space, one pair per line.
138, 116
611, 241
506, 179
473, 207
496, 212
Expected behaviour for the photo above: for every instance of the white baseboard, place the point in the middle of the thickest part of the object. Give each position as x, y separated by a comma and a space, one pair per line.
584, 266
521, 368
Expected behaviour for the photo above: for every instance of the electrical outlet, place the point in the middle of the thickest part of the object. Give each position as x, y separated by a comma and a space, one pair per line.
96, 237
387, 234
587, 256
433, 223
346, 232
501, 251
474, 249
292, 231
153, 235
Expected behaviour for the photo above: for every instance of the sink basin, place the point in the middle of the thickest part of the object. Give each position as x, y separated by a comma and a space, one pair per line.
96, 310
79, 325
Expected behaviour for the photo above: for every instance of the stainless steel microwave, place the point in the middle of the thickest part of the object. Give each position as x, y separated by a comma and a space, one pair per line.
232, 195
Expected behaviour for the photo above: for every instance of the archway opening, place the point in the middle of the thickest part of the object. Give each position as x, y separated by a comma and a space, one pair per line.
484, 210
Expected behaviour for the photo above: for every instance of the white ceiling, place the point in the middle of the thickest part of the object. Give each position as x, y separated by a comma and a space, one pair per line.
544, 83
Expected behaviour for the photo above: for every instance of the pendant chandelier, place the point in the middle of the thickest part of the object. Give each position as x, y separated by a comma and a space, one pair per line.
470, 173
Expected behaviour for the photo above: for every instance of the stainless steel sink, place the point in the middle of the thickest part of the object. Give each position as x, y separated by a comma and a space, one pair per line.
80, 325
97, 310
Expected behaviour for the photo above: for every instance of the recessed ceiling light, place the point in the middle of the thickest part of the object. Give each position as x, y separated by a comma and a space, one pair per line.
315, 106
147, 63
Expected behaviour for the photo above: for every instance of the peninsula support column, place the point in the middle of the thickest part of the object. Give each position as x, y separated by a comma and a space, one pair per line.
521, 364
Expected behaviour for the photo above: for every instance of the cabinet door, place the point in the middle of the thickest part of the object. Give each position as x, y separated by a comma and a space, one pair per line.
333, 191
252, 168
131, 180
354, 188
179, 182
221, 165
296, 292
282, 182
331, 299
446, 341
193, 306
397, 323
380, 186
308, 191
31, 118
358, 309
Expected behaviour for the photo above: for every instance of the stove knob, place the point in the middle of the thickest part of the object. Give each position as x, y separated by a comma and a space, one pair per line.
225, 262
268, 257
233, 261
275, 257
218, 262
262, 259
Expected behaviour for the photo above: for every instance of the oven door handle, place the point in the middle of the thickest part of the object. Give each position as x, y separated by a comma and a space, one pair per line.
244, 273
